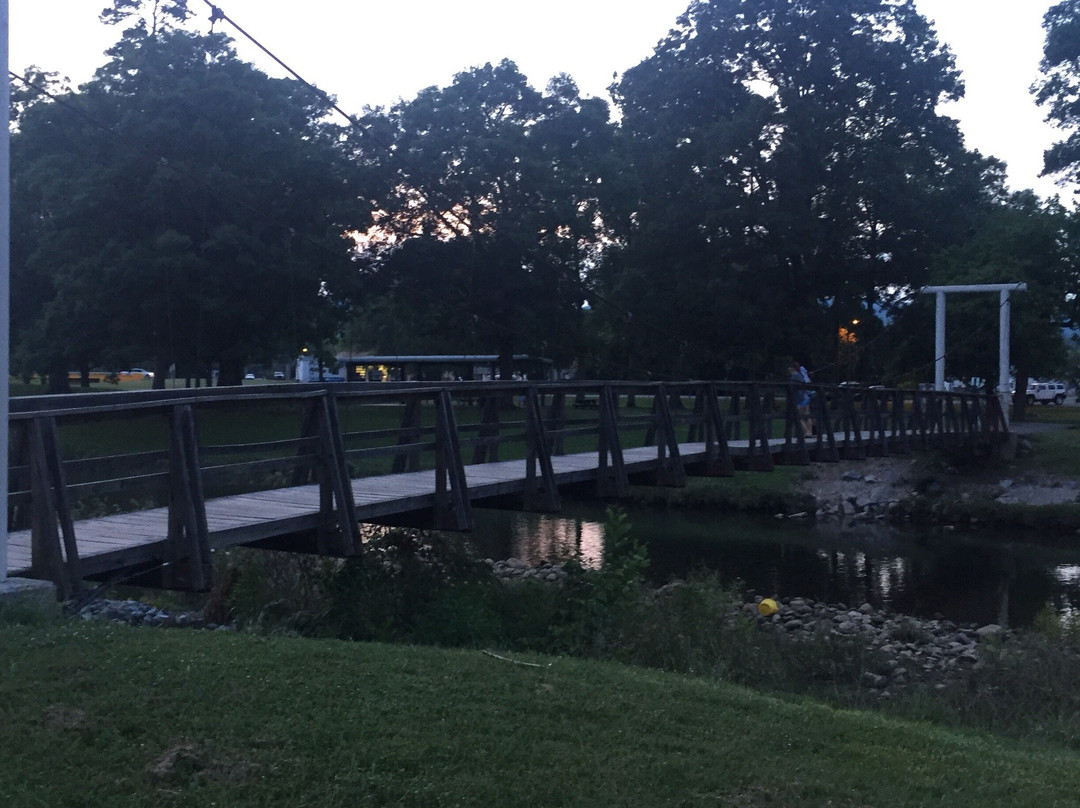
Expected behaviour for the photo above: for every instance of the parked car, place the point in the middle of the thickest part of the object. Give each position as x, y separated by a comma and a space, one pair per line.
1045, 392
249, 376
279, 374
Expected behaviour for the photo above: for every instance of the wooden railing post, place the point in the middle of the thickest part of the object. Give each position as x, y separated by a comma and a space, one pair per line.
698, 428
794, 452
951, 420
339, 531
557, 419
487, 448
54, 554
410, 421
540, 494
825, 440
878, 443
611, 480
760, 454
717, 453
853, 442
734, 422
188, 547
669, 467
898, 421
453, 510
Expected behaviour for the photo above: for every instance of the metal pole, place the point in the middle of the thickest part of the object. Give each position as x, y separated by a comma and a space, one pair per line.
1003, 352
5, 269
939, 343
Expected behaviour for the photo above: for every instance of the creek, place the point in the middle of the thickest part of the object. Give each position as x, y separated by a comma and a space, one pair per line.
965, 577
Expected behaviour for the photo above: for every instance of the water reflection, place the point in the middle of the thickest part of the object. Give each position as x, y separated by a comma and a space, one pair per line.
971, 579
539, 537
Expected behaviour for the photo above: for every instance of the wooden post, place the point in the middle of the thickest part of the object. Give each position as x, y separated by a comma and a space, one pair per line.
794, 452
919, 419
825, 444
734, 422
410, 422
340, 531
188, 554
487, 449
610, 481
669, 468
54, 553
760, 454
717, 453
453, 510
899, 424
878, 443
557, 419
542, 494
698, 428
853, 442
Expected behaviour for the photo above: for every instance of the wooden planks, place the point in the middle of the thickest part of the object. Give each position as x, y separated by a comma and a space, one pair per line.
113, 542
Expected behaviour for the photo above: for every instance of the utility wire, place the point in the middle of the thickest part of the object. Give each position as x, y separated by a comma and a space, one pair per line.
217, 14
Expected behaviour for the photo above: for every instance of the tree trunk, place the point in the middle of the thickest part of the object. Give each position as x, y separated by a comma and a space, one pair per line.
161, 368
58, 377
230, 372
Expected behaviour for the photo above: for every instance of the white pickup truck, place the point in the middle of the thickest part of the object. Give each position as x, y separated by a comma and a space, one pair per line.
1046, 392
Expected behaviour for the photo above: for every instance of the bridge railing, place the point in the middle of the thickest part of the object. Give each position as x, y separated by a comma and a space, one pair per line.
86, 456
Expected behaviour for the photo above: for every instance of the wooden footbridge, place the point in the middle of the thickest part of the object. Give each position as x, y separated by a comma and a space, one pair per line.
301, 467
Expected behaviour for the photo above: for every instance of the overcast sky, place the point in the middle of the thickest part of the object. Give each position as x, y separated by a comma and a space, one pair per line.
369, 53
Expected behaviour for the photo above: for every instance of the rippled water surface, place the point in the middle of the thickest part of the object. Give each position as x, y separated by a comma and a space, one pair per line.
978, 578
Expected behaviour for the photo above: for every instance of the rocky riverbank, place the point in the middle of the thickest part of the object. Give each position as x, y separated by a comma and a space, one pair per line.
904, 649
922, 488
137, 613
907, 649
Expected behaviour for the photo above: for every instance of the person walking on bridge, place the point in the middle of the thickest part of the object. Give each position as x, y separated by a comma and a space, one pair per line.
799, 376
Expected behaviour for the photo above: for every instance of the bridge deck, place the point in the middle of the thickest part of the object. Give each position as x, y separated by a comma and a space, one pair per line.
125, 539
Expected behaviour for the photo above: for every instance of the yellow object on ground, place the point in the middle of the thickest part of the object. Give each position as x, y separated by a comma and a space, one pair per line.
768, 606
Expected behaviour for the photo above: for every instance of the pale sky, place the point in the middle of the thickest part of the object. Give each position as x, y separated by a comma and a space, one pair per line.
369, 53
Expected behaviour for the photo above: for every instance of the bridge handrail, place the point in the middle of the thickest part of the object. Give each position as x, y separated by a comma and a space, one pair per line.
532, 417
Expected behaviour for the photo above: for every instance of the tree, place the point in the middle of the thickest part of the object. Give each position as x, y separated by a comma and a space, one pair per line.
794, 173
148, 17
182, 206
490, 209
1059, 88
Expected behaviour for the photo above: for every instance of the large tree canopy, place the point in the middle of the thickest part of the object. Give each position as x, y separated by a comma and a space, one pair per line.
794, 172
181, 206
1059, 89
491, 206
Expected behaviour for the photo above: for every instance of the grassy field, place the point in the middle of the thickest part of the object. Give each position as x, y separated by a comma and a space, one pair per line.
96, 715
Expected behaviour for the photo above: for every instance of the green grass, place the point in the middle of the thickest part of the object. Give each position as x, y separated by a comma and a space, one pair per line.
772, 492
1052, 415
96, 715
1054, 452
